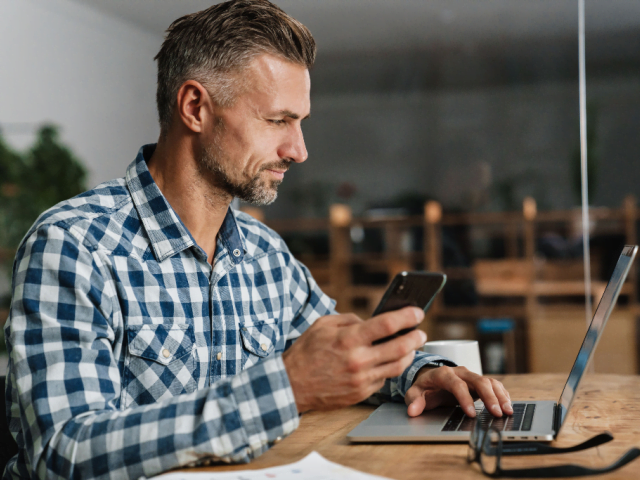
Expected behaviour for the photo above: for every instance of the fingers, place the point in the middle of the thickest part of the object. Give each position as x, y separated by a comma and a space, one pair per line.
440, 383
367, 383
343, 320
459, 388
388, 323
393, 369
503, 396
399, 347
491, 392
386, 353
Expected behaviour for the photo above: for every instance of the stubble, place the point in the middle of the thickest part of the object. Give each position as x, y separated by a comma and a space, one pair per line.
258, 190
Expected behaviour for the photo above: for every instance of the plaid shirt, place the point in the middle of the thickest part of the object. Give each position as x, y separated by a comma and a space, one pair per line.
130, 354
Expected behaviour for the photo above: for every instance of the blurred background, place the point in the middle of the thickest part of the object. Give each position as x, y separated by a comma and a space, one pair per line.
444, 136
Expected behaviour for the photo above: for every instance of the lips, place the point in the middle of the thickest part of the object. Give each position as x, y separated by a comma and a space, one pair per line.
277, 169
279, 174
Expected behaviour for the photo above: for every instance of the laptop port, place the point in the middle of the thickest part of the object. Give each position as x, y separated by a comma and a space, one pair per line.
511, 438
525, 438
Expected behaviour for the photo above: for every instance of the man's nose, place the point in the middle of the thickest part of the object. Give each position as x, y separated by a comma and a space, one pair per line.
294, 146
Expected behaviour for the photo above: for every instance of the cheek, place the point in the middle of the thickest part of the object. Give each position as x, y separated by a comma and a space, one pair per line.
249, 165
263, 151
248, 147
237, 153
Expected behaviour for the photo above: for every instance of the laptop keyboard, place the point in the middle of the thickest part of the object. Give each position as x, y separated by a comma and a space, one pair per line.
520, 421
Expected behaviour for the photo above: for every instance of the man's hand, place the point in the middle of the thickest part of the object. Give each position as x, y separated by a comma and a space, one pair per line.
433, 387
334, 364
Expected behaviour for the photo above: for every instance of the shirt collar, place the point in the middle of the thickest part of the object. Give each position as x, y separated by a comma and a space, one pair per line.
232, 238
165, 230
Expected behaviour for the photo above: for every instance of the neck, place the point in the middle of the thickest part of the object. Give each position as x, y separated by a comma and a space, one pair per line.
201, 206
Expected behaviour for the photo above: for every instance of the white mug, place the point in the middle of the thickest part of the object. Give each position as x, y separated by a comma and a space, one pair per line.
465, 353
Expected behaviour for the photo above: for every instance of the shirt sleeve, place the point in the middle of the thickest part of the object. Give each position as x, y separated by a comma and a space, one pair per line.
64, 383
396, 388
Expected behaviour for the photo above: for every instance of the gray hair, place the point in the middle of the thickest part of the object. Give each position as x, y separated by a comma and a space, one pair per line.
214, 45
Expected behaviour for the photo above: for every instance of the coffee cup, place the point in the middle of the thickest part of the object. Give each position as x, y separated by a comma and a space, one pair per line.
464, 353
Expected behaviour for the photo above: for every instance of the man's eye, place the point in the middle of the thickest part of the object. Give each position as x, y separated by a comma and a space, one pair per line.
277, 122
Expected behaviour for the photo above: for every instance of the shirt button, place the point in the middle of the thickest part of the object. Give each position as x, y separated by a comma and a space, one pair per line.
264, 347
236, 253
219, 356
166, 353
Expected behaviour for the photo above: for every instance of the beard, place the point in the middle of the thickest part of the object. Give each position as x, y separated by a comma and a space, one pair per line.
258, 190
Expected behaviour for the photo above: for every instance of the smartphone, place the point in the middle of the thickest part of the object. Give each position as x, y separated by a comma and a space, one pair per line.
410, 289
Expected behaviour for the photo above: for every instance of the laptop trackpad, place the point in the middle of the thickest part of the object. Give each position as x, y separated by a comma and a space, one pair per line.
396, 414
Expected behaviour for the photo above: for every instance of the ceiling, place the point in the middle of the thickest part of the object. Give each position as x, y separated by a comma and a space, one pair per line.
388, 25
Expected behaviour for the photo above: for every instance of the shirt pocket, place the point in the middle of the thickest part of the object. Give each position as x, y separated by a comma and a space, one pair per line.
260, 336
160, 363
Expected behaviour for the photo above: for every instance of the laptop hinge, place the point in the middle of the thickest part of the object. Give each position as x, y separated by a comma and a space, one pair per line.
556, 419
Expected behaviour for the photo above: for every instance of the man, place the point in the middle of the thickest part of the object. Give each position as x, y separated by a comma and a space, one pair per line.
153, 327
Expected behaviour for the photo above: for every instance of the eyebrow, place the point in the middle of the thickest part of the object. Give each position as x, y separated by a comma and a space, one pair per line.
290, 114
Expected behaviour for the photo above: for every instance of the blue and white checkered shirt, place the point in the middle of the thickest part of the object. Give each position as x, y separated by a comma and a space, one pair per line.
131, 355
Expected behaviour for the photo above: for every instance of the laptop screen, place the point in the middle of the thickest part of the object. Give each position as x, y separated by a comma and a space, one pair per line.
598, 322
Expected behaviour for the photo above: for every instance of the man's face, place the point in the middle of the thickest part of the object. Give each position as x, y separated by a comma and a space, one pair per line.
254, 141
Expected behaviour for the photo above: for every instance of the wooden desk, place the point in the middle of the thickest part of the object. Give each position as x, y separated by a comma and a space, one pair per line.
604, 402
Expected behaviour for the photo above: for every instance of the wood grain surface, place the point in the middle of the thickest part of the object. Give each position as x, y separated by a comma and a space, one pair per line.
604, 402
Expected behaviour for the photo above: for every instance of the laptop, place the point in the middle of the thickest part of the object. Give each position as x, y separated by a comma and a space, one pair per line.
531, 420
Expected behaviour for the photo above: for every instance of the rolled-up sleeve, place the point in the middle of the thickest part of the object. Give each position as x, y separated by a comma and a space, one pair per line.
396, 388
64, 386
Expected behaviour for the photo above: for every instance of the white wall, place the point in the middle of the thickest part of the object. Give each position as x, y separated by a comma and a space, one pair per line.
92, 74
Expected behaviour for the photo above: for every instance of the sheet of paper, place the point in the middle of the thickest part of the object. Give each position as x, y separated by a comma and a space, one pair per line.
312, 467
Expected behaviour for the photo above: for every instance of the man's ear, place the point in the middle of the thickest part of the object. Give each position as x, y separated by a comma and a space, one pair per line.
193, 106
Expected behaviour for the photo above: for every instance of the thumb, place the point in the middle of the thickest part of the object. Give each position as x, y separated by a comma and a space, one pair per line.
416, 406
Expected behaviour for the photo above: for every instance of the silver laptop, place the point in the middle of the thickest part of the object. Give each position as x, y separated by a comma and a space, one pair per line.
531, 420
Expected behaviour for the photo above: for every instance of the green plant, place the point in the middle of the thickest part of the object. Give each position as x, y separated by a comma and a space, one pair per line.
11, 166
32, 182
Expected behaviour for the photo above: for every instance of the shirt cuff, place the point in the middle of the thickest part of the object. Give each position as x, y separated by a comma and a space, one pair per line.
422, 359
266, 404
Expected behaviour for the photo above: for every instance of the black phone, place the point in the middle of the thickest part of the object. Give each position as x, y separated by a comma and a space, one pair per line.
410, 289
